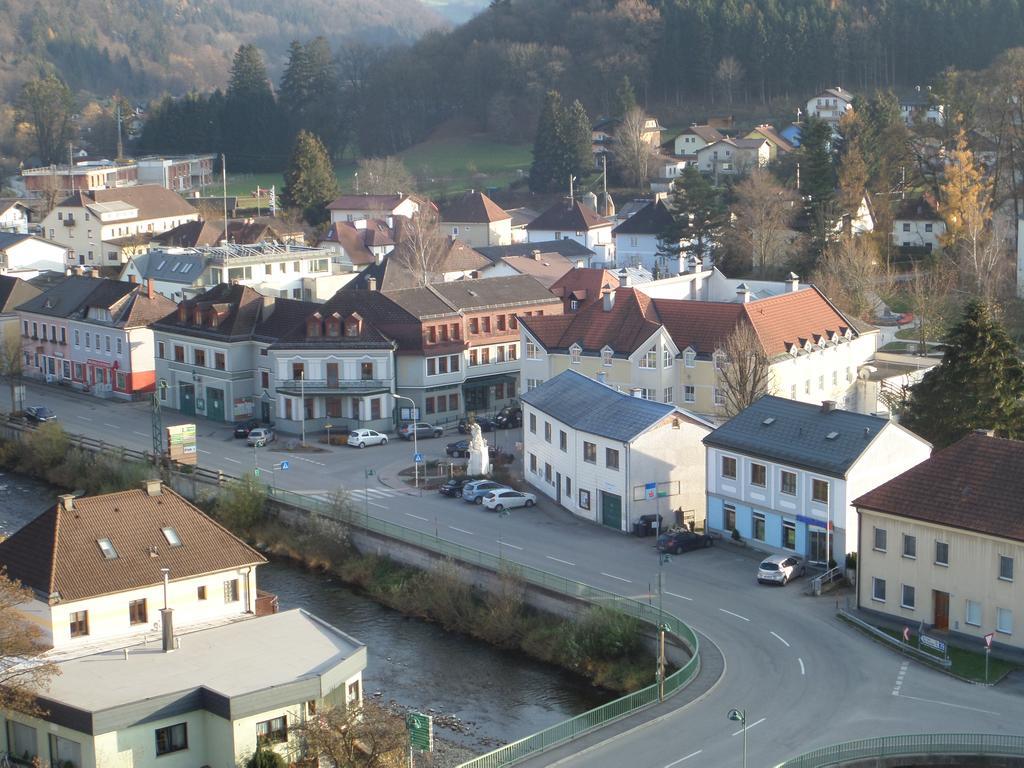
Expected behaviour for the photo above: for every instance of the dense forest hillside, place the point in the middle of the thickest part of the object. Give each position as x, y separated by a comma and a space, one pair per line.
495, 68
146, 47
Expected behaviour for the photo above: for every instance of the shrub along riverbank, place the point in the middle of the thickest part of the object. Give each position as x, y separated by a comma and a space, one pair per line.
602, 644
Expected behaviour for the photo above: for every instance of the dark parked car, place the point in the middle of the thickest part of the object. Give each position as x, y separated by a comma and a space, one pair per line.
486, 425
453, 488
421, 430
509, 417
242, 430
682, 541
460, 449
39, 414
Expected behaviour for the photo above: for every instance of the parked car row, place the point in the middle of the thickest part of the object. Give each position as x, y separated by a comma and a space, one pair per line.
487, 493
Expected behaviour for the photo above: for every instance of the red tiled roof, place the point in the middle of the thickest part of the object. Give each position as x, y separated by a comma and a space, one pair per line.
473, 207
975, 484
782, 320
701, 325
591, 281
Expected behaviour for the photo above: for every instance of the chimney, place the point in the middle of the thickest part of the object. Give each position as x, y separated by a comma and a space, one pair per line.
636, 392
609, 301
827, 406
371, 283
794, 282
167, 616
149, 287
625, 281
601, 375
743, 293
268, 307
67, 502
535, 254
152, 487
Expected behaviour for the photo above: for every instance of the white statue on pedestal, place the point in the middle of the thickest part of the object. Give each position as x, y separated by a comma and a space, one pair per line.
479, 457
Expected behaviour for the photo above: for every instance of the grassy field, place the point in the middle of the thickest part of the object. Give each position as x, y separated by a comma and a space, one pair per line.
442, 166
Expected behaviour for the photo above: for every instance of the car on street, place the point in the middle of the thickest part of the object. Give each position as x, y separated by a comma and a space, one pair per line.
243, 429
39, 414
420, 430
507, 498
486, 425
361, 438
780, 569
260, 436
475, 490
453, 487
509, 417
460, 449
682, 541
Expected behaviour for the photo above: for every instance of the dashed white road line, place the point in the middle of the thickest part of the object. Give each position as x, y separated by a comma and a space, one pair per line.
198, 449
311, 461
684, 759
899, 678
780, 639
681, 597
461, 530
802, 670
734, 614
617, 578
506, 544
228, 458
424, 519
383, 506
141, 434
83, 418
112, 426
559, 560
748, 727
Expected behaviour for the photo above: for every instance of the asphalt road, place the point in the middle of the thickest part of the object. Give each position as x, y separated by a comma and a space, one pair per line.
804, 678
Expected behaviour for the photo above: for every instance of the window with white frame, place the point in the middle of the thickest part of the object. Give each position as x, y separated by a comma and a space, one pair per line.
729, 467
908, 597
909, 546
650, 358
574, 354
788, 484
941, 553
758, 475
819, 491
667, 358
606, 356
758, 532
668, 395
689, 393
972, 613
1005, 568
719, 396
531, 351
878, 589
1004, 621
881, 538
720, 360
689, 358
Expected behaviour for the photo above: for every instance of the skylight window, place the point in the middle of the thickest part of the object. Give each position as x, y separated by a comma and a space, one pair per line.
769, 421
162, 263
831, 435
107, 548
172, 537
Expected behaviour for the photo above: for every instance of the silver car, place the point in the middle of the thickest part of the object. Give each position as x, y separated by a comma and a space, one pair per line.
779, 569
261, 436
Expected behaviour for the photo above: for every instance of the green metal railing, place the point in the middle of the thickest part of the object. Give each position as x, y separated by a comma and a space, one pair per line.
923, 744
574, 727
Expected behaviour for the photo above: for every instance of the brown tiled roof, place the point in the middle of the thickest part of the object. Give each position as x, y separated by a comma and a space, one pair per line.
778, 321
151, 200
975, 484
707, 132
352, 240
773, 137
199, 233
473, 207
244, 312
917, 209
564, 217
366, 202
585, 283
57, 552
142, 310
462, 258
546, 268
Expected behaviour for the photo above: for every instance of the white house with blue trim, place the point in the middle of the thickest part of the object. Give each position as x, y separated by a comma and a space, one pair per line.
784, 474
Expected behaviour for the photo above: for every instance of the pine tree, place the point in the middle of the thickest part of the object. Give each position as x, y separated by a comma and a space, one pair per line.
818, 181
625, 98
309, 182
252, 125
979, 385
578, 137
549, 166
698, 214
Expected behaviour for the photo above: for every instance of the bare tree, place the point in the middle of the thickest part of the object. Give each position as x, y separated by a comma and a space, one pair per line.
728, 74
763, 215
632, 150
367, 736
929, 291
22, 672
851, 274
383, 176
10, 365
423, 248
744, 374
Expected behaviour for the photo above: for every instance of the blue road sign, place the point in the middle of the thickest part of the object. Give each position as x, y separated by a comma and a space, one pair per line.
284, 465
418, 458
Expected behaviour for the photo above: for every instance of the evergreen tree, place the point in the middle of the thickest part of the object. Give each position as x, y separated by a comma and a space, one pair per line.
818, 181
698, 215
578, 138
309, 182
979, 385
549, 171
252, 122
625, 98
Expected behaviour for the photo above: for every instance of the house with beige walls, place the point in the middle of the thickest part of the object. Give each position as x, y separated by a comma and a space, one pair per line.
573, 220
670, 350
609, 457
476, 220
942, 544
95, 566
207, 697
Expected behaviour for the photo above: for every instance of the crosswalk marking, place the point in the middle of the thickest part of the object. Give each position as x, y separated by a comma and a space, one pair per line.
360, 494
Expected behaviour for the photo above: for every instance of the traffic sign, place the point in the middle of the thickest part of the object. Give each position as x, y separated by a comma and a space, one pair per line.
369, 472
906, 634
256, 472
933, 643
988, 639
651, 490
421, 731
418, 458
284, 465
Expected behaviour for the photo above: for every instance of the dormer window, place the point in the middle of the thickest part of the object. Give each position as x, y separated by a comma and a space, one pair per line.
352, 328
334, 325
182, 313
313, 325
606, 355
197, 316
214, 318
720, 359
574, 354
107, 548
689, 358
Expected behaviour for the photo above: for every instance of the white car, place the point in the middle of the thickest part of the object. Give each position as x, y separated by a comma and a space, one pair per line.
779, 569
361, 438
506, 498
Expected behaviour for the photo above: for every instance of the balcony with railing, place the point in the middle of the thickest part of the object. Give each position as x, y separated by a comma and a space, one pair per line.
333, 386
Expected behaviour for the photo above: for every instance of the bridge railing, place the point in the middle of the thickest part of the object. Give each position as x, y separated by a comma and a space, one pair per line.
920, 744
574, 727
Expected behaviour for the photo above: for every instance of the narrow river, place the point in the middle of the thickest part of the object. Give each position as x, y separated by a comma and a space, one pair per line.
498, 696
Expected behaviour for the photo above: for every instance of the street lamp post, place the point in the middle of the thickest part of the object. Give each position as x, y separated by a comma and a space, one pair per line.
415, 442
302, 405
740, 716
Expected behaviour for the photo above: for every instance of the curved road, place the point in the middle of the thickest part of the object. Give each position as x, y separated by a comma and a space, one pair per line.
804, 678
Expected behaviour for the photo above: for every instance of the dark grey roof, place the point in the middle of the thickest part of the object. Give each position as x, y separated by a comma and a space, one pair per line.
14, 291
798, 434
593, 407
653, 219
184, 268
64, 298
7, 239
508, 291
570, 249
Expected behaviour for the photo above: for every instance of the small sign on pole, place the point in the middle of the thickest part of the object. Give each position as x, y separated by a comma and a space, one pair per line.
906, 634
421, 731
651, 490
988, 640
284, 465
418, 458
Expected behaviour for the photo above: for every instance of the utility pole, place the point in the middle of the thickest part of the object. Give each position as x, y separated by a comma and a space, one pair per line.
120, 143
224, 192
661, 633
302, 405
572, 197
157, 425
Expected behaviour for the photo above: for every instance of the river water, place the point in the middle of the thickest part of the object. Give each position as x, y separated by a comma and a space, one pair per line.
498, 696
